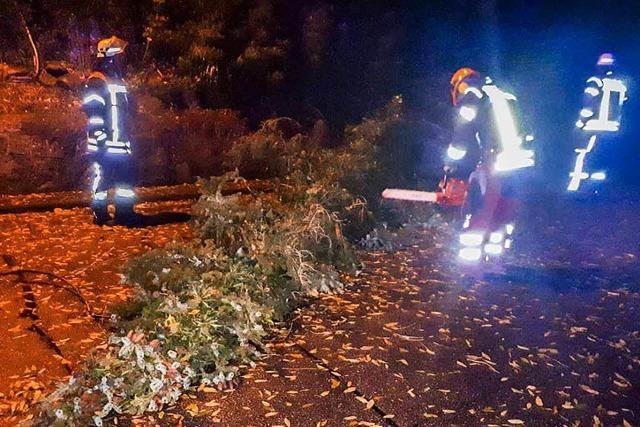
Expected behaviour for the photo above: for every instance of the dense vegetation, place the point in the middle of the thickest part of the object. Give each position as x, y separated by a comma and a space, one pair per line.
263, 57
202, 73
339, 60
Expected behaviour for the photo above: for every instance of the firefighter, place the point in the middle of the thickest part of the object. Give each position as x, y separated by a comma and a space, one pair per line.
598, 122
106, 103
488, 148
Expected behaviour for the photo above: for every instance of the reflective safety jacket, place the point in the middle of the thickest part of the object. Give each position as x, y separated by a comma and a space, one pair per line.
602, 108
485, 125
106, 103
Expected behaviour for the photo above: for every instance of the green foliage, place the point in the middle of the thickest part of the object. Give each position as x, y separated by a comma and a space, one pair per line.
203, 309
207, 307
228, 51
294, 236
382, 151
273, 151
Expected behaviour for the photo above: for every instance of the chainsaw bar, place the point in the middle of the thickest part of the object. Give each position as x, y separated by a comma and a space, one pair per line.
412, 195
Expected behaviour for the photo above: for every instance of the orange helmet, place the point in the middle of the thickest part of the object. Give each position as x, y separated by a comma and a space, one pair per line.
458, 84
111, 47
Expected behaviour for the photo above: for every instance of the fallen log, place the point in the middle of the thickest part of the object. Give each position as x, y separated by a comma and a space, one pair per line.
43, 202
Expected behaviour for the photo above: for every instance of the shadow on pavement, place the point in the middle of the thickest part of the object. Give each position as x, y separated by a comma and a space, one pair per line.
555, 278
162, 218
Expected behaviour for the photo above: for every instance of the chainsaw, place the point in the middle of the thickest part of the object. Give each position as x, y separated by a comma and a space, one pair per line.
452, 193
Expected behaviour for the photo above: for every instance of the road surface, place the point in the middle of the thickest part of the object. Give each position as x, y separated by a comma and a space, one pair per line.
68, 244
555, 341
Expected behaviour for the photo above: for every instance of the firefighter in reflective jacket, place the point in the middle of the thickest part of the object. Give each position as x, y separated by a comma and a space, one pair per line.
487, 144
598, 122
105, 103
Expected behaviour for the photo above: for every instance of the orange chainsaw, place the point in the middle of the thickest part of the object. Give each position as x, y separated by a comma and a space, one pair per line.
452, 193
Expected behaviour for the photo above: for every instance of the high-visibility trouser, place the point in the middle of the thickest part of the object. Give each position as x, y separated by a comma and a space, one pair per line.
592, 160
579, 172
489, 225
113, 172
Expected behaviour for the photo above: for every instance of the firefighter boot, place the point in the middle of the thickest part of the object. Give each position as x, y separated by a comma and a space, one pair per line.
125, 215
125, 201
100, 212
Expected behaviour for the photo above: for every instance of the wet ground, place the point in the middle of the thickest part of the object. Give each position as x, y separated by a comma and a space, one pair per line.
553, 341
35, 354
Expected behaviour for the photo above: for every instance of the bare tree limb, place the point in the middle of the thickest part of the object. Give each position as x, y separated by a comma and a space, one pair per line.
34, 48
68, 287
30, 305
30, 310
51, 343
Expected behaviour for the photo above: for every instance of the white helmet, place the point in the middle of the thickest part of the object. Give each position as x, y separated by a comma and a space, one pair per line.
606, 60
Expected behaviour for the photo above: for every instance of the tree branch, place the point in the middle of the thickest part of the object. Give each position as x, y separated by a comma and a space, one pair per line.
69, 287
34, 48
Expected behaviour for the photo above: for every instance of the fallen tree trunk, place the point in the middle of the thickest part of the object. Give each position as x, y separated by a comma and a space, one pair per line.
79, 199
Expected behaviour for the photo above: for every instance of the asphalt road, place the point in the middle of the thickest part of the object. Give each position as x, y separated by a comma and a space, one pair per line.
553, 341
90, 258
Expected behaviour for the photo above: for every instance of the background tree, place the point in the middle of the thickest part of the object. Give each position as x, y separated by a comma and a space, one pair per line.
320, 59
